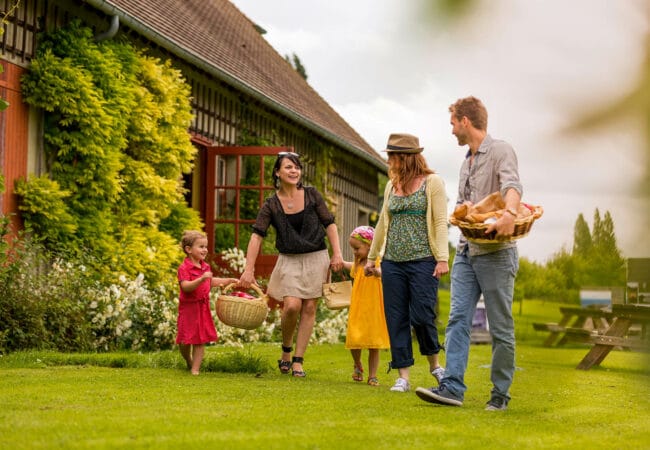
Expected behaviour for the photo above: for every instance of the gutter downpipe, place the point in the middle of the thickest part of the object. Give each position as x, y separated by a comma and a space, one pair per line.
112, 30
175, 48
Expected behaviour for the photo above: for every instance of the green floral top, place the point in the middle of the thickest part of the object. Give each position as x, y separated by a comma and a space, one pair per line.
436, 220
407, 235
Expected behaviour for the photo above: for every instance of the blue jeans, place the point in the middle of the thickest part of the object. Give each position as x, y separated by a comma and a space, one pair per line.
493, 275
410, 296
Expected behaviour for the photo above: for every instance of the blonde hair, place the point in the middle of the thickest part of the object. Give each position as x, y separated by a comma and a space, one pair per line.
190, 236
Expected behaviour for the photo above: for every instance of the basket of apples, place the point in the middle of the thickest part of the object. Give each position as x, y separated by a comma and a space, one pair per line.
240, 309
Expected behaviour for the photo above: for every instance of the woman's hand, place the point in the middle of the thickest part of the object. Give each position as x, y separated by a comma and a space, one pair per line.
247, 279
442, 268
369, 269
336, 263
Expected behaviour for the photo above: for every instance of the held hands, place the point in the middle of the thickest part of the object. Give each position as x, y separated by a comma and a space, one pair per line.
370, 270
336, 263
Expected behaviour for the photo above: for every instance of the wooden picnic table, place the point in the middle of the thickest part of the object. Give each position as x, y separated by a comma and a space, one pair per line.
618, 334
575, 324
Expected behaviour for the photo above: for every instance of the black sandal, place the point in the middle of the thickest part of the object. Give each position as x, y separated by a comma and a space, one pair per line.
297, 373
285, 366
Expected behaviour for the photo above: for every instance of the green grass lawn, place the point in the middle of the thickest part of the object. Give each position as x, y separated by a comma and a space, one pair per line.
148, 400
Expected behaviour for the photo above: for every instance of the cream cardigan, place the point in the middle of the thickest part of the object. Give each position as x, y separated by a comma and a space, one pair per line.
436, 220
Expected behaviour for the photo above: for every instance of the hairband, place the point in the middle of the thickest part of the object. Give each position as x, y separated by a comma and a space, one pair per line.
363, 233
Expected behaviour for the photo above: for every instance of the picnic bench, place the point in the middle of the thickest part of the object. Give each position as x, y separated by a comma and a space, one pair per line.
576, 324
619, 334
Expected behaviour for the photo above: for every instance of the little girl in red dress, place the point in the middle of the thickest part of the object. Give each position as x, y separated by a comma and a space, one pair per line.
195, 322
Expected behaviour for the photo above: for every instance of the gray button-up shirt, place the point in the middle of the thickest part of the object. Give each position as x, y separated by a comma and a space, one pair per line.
494, 169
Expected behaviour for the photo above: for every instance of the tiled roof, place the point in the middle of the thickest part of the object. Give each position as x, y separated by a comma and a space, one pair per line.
216, 35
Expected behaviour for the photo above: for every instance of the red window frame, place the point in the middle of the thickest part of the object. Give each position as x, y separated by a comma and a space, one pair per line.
264, 263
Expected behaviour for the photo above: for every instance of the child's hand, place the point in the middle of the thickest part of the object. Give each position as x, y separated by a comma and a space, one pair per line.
206, 275
377, 272
227, 281
224, 281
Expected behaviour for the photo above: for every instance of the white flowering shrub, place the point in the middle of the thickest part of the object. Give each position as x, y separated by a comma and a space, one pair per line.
235, 258
41, 299
48, 301
129, 315
331, 325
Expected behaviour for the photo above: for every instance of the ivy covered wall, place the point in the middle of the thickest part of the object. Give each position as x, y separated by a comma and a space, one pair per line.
116, 144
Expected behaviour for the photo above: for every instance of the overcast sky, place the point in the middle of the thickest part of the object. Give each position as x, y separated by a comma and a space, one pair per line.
386, 66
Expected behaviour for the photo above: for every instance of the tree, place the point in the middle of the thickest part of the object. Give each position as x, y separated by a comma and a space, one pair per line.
609, 265
582, 241
294, 61
596, 259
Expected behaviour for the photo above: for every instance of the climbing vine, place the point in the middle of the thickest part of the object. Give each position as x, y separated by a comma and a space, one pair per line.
116, 146
4, 104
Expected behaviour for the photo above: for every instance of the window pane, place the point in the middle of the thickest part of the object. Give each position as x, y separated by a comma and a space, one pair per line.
224, 236
226, 168
269, 162
224, 207
250, 170
249, 203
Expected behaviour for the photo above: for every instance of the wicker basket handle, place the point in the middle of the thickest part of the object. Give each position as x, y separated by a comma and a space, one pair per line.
254, 287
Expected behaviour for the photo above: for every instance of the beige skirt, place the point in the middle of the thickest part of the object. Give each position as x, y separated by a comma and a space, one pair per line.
300, 276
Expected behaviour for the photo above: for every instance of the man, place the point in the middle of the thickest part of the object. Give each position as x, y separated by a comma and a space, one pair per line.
489, 269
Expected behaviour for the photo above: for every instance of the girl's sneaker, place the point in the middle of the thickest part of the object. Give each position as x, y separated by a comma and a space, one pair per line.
438, 373
401, 385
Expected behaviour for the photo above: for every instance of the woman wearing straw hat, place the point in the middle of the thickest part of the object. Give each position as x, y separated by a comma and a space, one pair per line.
301, 218
412, 231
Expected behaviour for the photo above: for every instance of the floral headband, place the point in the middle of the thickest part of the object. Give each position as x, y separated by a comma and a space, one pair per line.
363, 233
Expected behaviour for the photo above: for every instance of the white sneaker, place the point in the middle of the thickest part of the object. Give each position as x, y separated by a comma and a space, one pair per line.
401, 385
438, 373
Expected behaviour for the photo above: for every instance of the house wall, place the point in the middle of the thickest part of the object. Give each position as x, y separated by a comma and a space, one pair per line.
13, 136
221, 113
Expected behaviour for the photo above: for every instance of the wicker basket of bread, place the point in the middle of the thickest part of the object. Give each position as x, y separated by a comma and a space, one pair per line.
473, 220
242, 310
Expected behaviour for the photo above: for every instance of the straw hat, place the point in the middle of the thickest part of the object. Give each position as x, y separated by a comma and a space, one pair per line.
403, 143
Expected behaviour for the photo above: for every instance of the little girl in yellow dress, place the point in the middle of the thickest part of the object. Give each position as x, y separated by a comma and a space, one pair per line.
366, 320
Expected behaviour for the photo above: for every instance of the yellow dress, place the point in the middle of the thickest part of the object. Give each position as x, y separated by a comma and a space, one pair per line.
366, 319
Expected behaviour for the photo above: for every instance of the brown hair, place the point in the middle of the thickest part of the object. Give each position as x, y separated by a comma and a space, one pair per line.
190, 236
473, 109
406, 167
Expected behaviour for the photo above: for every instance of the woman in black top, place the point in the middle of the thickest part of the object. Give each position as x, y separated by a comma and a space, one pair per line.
301, 218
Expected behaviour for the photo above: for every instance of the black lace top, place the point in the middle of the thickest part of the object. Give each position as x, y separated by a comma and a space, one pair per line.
298, 238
